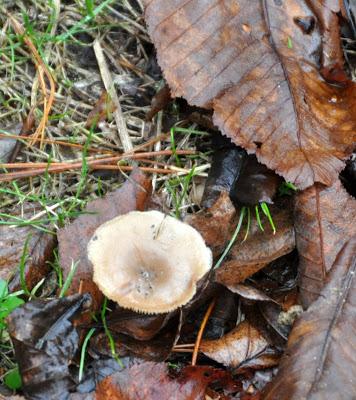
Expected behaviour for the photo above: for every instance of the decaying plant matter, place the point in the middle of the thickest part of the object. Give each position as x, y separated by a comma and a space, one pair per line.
179, 268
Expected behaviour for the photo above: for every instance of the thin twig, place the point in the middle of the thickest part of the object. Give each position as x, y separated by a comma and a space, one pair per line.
92, 162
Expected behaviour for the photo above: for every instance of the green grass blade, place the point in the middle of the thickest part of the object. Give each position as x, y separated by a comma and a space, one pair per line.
258, 218
83, 21
232, 240
267, 213
248, 223
69, 279
83, 351
108, 334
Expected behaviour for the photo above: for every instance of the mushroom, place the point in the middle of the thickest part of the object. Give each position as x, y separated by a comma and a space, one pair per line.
147, 261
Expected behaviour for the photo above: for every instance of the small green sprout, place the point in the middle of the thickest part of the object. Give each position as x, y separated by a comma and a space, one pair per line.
289, 43
8, 302
287, 189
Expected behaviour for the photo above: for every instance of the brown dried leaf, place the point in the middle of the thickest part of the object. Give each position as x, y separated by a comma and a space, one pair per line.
159, 101
241, 345
102, 109
260, 248
74, 238
214, 224
319, 361
324, 222
39, 251
267, 96
332, 59
150, 381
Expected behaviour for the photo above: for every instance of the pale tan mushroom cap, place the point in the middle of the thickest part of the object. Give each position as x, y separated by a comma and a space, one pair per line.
148, 261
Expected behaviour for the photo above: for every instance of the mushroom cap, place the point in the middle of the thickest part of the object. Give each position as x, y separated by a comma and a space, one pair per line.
148, 261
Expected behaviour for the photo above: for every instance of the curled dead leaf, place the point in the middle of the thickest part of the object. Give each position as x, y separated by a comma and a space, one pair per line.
242, 345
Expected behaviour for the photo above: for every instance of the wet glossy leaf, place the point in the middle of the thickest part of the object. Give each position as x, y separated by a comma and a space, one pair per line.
223, 317
330, 14
324, 222
45, 343
151, 381
74, 238
268, 97
319, 361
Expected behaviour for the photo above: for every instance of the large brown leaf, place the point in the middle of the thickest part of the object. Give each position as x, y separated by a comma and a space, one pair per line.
320, 359
256, 63
324, 222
